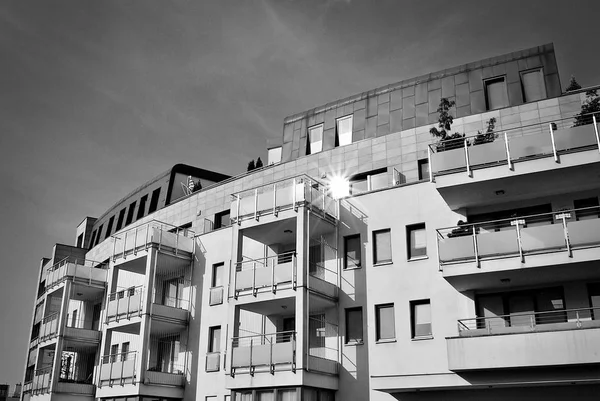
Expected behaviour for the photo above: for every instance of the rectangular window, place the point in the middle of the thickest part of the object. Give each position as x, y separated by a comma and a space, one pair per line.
120, 220
142, 207
154, 200
344, 131
382, 246
222, 219
109, 226
423, 169
352, 251
92, 239
533, 85
416, 236
124, 351
99, 235
590, 208
385, 322
114, 349
74, 319
420, 312
315, 139
354, 325
594, 294
274, 155
496, 96
217, 274
214, 339
130, 214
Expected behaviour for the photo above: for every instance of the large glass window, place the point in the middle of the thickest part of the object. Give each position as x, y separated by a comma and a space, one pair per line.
154, 200
120, 220
109, 226
214, 344
352, 251
533, 85
142, 208
382, 246
385, 322
416, 236
421, 318
315, 139
344, 131
354, 325
496, 95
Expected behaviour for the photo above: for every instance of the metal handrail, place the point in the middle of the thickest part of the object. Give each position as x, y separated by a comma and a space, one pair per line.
50, 317
126, 291
266, 258
289, 332
162, 223
434, 146
510, 219
536, 318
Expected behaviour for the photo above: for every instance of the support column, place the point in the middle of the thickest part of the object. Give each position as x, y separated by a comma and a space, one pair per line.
62, 319
145, 326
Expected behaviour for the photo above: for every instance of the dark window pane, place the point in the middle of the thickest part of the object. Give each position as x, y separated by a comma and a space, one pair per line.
385, 322
354, 329
382, 246
352, 251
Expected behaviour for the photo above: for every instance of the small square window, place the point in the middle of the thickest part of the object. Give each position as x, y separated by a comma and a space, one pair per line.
416, 237
420, 312
222, 219
354, 325
382, 246
315, 139
496, 96
385, 322
423, 169
352, 251
534, 87
344, 131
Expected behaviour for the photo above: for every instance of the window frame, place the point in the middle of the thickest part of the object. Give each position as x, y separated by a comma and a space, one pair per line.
213, 275
489, 81
121, 219
211, 339
219, 218
141, 207
377, 262
356, 265
409, 229
309, 150
413, 305
109, 227
541, 71
378, 308
420, 164
154, 199
337, 129
347, 339
130, 213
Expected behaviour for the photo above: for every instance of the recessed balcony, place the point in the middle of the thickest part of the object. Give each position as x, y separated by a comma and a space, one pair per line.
273, 273
49, 327
528, 339
287, 194
506, 165
42, 381
125, 304
265, 352
501, 246
118, 369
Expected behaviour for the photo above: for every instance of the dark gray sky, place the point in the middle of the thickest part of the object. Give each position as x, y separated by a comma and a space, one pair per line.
97, 97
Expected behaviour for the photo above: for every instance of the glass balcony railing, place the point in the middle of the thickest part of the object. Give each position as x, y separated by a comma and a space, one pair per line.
42, 381
154, 233
125, 304
264, 350
564, 231
86, 271
118, 369
253, 275
49, 327
290, 193
506, 147
526, 322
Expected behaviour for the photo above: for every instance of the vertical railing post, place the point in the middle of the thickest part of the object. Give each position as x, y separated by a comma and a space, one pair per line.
596, 131
437, 246
469, 172
476, 247
238, 220
553, 144
518, 223
117, 308
577, 319
160, 237
176, 241
256, 204
110, 358
134, 366
135, 242
124, 245
563, 218
114, 247
273, 276
509, 161
250, 361
430, 164
275, 200
254, 278
532, 321
146, 242
294, 200
122, 368
294, 271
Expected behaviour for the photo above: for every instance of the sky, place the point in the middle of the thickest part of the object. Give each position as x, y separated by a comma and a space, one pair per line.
98, 97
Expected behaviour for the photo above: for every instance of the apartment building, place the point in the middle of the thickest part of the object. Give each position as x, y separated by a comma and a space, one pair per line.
368, 260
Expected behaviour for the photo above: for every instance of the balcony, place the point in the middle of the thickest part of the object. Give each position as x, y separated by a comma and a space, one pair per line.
165, 237
282, 195
267, 352
118, 369
125, 304
530, 339
551, 239
470, 170
266, 274
81, 330
49, 328
84, 271
42, 381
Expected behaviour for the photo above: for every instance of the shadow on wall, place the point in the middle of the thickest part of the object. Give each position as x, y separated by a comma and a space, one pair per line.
354, 369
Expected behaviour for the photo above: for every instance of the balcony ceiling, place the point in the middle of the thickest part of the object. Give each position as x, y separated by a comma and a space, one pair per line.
274, 232
522, 187
283, 306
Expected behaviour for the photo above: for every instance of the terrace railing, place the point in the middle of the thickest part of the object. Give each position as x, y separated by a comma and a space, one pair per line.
87, 271
525, 322
49, 328
263, 350
562, 231
506, 147
42, 381
281, 195
125, 304
118, 369
263, 273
